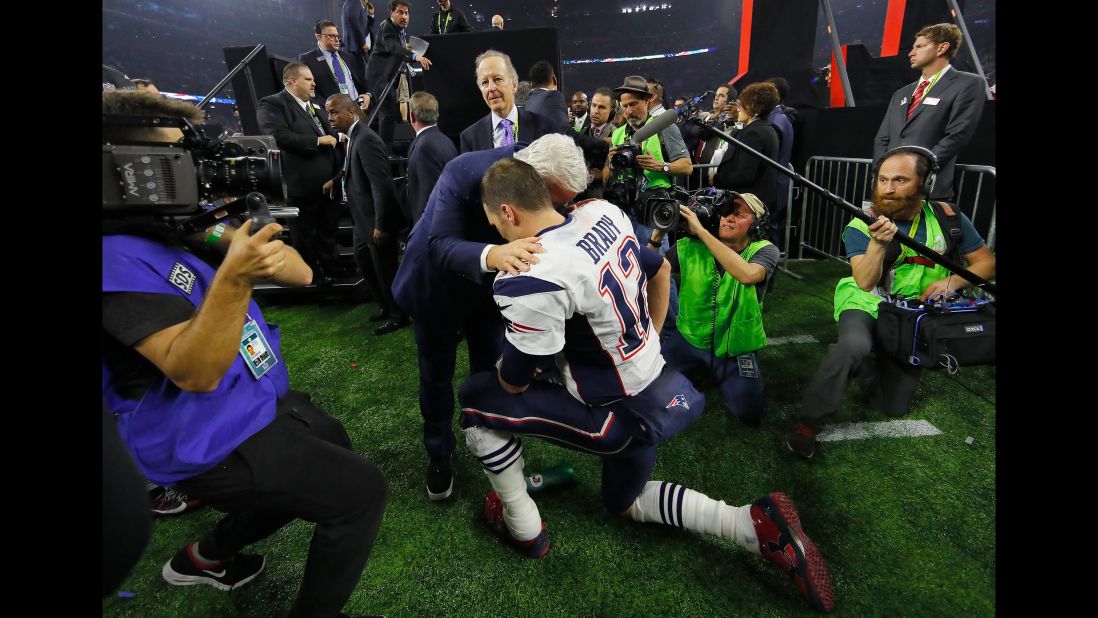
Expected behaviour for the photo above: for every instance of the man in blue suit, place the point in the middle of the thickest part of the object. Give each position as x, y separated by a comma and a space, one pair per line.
445, 279
544, 97
357, 23
430, 151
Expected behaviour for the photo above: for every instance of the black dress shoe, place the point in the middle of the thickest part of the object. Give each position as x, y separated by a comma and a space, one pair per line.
391, 326
380, 315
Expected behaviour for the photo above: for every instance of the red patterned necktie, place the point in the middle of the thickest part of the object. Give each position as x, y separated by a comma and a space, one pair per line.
918, 96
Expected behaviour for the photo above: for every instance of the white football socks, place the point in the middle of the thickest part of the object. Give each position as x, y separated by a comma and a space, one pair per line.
675, 505
500, 453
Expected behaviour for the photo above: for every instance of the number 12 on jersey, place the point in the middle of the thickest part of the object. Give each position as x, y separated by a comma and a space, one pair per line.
614, 280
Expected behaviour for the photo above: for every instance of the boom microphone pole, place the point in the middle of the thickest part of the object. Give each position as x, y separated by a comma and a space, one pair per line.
904, 239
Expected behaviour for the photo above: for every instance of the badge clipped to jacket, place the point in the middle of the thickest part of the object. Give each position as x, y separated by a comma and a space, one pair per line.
255, 350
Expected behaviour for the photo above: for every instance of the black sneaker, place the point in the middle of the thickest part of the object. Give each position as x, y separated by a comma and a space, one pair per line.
802, 440
226, 574
167, 501
391, 326
440, 478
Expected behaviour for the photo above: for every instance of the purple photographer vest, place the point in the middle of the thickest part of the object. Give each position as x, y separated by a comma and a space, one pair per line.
173, 434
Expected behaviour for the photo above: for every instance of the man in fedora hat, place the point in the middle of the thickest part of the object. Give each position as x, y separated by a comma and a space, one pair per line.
663, 155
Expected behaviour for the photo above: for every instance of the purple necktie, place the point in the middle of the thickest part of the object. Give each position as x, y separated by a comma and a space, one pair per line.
508, 133
338, 70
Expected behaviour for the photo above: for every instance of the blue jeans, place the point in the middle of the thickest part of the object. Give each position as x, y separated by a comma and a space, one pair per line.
740, 377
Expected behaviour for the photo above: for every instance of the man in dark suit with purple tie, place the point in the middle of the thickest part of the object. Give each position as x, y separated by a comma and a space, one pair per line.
506, 123
335, 71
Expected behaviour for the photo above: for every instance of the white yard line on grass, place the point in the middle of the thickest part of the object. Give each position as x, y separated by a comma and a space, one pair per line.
792, 339
883, 429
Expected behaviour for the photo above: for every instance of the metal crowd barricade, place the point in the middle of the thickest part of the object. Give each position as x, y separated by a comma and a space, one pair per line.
821, 224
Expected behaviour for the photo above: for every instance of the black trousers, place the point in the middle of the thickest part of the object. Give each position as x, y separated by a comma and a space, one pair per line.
387, 117
376, 262
890, 385
127, 521
301, 466
313, 234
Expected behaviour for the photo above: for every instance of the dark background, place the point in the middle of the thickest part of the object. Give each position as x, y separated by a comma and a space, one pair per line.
178, 44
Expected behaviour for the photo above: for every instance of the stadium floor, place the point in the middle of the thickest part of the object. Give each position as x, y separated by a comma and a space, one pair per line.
907, 525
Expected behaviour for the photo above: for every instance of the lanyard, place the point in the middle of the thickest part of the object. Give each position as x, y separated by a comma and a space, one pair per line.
934, 80
441, 28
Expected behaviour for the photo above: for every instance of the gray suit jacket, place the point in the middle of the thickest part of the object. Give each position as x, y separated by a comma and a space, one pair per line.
945, 128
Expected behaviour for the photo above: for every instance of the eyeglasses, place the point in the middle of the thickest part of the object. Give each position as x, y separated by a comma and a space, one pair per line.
331, 36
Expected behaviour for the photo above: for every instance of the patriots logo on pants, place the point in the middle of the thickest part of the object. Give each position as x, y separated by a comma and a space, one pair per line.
678, 400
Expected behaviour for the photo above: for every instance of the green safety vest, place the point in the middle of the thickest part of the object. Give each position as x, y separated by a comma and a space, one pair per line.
722, 315
651, 145
908, 280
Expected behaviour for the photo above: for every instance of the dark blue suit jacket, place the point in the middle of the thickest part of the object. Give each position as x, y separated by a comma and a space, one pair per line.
548, 103
429, 153
450, 236
355, 24
478, 136
784, 128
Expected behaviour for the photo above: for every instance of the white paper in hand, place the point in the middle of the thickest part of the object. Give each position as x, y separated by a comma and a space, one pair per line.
418, 45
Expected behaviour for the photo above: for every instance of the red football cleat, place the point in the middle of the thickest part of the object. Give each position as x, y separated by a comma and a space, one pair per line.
536, 547
782, 542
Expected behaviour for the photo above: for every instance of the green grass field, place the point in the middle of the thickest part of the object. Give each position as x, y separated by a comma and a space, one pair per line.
907, 525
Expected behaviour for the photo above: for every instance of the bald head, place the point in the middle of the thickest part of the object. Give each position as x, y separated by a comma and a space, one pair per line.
342, 112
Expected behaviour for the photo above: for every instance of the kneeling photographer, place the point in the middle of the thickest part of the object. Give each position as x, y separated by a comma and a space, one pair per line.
192, 372
882, 268
724, 262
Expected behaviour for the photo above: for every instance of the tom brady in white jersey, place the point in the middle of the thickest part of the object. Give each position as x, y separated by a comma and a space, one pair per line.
592, 308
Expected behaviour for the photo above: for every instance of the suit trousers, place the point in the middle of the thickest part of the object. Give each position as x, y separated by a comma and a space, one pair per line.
387, 117
378, 265
889, 384
437, 341
301, 466
314, 232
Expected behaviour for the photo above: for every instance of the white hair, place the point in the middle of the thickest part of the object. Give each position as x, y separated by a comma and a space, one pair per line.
491, 53
557, 158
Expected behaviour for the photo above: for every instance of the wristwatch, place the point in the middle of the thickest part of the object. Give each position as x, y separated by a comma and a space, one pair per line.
666, 167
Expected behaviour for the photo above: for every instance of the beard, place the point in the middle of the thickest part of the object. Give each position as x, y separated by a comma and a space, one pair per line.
902, 208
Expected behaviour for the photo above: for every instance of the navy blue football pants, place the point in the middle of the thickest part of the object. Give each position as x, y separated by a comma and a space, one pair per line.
621, 433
